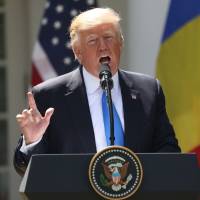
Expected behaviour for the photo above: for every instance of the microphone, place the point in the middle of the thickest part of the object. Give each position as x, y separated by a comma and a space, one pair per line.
105, 74
106, 83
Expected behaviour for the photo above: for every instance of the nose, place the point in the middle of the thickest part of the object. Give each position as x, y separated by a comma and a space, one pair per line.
102, 44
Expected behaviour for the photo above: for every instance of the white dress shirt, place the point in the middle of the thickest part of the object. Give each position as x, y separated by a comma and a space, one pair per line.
94, 94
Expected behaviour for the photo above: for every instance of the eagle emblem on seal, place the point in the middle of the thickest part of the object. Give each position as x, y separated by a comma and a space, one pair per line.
115, 173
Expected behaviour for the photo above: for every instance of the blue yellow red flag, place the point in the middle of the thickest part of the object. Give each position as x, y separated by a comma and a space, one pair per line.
178, 69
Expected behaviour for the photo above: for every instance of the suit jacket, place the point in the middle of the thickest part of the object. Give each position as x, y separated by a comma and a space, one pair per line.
147, 127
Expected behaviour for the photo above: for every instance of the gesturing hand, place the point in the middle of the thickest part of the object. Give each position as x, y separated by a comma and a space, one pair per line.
32, 124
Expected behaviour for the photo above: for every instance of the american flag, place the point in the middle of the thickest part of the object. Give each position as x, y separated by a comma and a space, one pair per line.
52, 54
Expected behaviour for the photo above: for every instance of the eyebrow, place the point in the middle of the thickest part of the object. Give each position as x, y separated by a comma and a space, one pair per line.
91, 36
95, 35
109, 32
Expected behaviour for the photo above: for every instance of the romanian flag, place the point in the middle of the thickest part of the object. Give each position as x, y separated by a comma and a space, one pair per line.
178, 69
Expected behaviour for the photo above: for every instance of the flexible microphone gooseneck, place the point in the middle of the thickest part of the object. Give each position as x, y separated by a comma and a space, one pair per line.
106, 83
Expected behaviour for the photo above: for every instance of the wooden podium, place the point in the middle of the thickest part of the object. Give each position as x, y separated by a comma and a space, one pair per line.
168, 176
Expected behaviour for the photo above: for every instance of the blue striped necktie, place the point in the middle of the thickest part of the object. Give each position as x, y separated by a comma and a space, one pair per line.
118, 130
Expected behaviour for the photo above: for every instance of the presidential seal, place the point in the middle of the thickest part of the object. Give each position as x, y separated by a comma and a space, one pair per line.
115, 173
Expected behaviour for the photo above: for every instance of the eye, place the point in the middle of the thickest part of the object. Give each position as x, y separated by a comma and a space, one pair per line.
92, 41
108, 37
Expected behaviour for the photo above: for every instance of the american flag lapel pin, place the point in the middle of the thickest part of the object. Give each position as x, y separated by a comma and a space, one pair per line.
133, 96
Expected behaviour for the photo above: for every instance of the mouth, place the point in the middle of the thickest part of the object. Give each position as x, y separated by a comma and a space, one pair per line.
105, 60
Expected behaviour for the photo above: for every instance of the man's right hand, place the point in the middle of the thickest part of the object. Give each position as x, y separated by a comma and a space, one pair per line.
32, 124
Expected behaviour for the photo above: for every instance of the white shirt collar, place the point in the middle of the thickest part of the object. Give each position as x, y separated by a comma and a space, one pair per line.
92, 83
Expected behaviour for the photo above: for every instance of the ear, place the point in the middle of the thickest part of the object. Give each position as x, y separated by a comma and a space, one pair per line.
77, 53
121, 42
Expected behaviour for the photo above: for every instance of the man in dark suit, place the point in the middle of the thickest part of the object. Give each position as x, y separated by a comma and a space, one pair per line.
65, 114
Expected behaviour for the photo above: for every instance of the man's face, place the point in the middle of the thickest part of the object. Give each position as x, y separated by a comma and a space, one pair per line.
97, 42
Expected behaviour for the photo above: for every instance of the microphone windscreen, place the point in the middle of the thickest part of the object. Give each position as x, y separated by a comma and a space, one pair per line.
104, 66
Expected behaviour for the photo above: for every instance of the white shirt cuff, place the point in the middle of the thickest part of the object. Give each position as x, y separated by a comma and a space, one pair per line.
25, 148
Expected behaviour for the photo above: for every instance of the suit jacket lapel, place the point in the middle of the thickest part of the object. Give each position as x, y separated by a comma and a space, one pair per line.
77, 97
132, 112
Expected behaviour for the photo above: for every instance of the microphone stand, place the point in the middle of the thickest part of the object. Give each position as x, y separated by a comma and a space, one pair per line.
106, 83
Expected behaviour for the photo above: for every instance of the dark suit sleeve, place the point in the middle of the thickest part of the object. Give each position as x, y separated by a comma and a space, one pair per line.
21, 160
164, 136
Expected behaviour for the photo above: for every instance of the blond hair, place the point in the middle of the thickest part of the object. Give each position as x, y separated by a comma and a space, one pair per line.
92, 18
